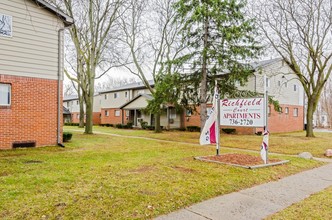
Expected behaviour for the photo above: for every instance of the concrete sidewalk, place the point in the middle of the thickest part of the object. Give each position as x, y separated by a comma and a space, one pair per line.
259, 201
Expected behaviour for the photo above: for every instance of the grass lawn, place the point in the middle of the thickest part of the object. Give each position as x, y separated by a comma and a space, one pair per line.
107, 177
285, 143
317, 206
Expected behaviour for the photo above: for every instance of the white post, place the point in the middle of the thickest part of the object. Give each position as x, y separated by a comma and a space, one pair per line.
218, 125
266, 109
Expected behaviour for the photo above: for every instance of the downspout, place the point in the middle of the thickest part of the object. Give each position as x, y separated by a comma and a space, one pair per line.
59, 90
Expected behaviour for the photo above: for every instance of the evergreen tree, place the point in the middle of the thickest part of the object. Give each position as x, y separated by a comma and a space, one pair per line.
220, 41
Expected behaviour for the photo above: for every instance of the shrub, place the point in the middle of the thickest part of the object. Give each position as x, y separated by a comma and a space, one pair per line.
119, 125
66, 136
229, 130
259, 133
71, 124
150, 127
144, 124
193, 128
130, 125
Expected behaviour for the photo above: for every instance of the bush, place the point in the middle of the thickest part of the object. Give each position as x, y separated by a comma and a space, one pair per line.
144, 124
130, 125
150, 127
259, 133
71, 124
119, 125
66, 136
193, 128
229, 130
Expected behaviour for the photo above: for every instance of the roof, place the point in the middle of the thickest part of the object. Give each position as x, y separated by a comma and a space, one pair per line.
67, 20
66, 111
136, 85
263, 63
146, 96
70, 98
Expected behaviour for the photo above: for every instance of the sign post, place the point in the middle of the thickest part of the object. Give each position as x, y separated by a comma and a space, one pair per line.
266, 118
218, 126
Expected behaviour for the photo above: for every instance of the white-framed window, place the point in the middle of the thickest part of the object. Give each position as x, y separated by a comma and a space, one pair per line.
77, 103
107, 113
78, 116
286, 110
5, 94
126, 94
295, 88
117, 113
280, 110
172, 113
105, 96
6, 26
115, 95
127, 113
296, 112
267, 82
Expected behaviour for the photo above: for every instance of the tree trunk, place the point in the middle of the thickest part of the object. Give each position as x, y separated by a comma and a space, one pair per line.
310, 113
157, 127
89, 115
81, 103
89, 108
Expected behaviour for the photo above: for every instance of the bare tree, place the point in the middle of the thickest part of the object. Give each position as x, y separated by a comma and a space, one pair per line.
92, 34
300, 32
326, 102
150, 40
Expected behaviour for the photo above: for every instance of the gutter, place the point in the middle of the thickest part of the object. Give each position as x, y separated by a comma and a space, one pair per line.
59, 95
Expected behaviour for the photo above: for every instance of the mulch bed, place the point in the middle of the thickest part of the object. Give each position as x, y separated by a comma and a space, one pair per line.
239, 159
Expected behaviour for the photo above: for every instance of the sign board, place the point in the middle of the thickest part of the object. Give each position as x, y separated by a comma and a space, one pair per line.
6, 25
242, 112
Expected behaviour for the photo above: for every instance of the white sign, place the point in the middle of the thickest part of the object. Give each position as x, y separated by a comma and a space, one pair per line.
6, 25
242, 112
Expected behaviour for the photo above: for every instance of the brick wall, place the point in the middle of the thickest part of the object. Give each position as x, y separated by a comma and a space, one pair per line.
278, 122
32, 115
95, 117
111, 118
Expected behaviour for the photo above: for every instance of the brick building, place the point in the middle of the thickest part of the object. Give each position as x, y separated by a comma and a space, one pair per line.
126, 103
31, 55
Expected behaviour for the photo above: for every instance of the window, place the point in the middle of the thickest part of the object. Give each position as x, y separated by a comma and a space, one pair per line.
172, 113
78, 116
286, 110
267, 82
115, 95
295, 87
126, 94
296, 112
127, 113
5, 94
106, 113
188, 112
77, 102
117, 113
269, 111
280, 110
6, 25
105, 96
